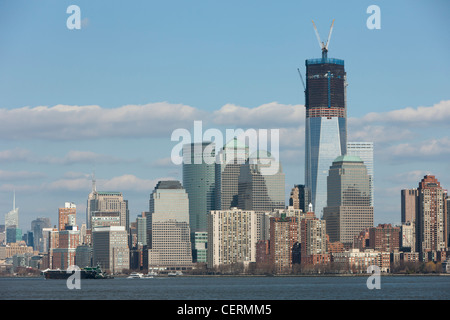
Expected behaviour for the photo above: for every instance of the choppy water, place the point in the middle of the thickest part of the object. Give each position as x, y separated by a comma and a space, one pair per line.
230, 288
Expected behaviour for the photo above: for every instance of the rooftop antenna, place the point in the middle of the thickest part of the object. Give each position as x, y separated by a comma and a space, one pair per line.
323, 46
94, 187
14, 200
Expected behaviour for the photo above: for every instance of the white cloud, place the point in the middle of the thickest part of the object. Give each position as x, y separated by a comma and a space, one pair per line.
270, 115
20, 175
63, 122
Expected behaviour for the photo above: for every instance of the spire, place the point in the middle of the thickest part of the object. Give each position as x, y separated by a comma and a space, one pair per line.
14, 200
94, 187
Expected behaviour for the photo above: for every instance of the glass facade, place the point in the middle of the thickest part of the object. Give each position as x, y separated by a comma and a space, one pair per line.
199, 183
364, 150
325, 140
326, 124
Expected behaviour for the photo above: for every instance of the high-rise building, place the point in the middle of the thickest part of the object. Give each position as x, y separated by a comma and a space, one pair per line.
199, 182
408, 237
348, 211
168, 226
409, 198
430, 220
228, 167
300, 197
258, 191
231, 237
105, 218
314, 237
37, 227
107, 201
110, 248
13, 234
67, 216
326, 123
384, 237
141, 225
283, 237
12, 217
63, 254
364, 150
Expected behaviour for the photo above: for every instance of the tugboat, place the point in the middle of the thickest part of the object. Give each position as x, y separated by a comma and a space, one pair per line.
85, 273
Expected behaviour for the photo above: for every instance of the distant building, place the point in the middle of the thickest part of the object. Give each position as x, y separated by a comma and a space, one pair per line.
283, 237
13, 234
409, 204
105, 218
168, 224
107, 201
384, 238
12, 249
231, 237
110, 248
228, 167
348, 210
63, 255
364, 150
37, 227
408, 237
199, 179
141, 225
83, 256
12, 217
260, 191
67, 216
431, 229
300, 197
314, 237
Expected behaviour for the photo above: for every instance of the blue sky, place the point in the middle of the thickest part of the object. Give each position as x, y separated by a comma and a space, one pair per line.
108, 96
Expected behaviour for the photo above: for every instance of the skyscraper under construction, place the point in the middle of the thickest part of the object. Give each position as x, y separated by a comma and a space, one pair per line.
326, 121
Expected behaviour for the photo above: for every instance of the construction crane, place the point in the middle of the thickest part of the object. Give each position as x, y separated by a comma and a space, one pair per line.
303, 82
323, 46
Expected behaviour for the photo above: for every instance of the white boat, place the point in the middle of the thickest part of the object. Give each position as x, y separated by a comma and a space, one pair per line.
135, 275
175, 274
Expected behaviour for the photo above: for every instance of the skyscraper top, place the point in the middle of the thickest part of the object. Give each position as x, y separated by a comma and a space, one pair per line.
348, 158
169, 184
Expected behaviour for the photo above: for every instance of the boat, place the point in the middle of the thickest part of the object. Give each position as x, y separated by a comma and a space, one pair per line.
175, 274
135, 275
85, 273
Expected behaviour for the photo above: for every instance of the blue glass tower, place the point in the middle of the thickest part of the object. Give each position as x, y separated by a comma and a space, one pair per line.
326, 123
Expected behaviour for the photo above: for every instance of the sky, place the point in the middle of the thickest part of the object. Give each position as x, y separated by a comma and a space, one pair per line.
106, 98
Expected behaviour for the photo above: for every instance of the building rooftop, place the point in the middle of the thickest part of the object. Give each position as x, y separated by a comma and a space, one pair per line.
169, 184
348, 158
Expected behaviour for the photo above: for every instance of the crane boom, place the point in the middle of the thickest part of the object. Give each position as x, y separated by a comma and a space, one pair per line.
304, 87
321, 45
329, 35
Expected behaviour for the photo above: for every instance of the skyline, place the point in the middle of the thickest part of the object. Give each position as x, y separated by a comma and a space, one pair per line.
75, 102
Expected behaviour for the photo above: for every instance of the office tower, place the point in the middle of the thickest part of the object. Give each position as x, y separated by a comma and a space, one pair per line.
326, 122
141, 225
13, 234
200, 252
385, 238
348, 210
199, 182
12, 217
37, 227
231, 237
228, 167
105, 218
314, 237
63, 254
170, 238
107, 201
408, 237
283, 236
292, 212
110, 248
300, 197
258, 191
67, 216
83, 256
430, 219
409, 204
364, 150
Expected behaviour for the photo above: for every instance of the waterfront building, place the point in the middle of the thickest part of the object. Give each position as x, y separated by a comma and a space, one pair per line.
283, 237
232, 237
408, 237
430, 220
110, 248
170, 237
314, 237
385, 238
